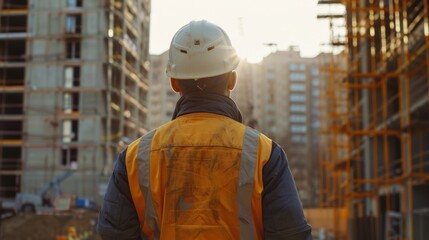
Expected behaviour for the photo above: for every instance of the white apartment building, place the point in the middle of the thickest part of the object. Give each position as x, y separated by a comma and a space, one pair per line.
286, 109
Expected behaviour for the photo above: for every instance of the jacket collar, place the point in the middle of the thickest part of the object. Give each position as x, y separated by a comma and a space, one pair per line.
207, 103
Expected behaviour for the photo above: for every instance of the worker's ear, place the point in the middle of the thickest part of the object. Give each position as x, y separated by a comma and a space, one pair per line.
232, 80
175, 85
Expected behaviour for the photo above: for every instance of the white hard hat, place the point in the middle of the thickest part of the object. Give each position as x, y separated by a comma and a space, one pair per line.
200, 49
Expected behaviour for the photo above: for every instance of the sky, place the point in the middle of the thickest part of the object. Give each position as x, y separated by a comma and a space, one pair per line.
249, 23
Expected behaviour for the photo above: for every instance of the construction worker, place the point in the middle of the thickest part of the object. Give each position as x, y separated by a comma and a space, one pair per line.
203, 175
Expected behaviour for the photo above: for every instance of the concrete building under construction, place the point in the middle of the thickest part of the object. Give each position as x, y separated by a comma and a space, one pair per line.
73, 84
375, 129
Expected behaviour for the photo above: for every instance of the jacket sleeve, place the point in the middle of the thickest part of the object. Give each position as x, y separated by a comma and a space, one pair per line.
118, 218
283, 216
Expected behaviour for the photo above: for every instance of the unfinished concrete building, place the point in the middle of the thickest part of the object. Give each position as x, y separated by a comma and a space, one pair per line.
73, 86
377, 164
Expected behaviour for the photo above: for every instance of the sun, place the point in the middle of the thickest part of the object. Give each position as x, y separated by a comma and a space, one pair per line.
250, 52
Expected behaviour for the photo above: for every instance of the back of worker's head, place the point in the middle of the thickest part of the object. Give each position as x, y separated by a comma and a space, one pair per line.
202, 59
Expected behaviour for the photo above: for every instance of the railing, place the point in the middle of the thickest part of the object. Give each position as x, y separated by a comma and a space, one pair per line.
10, 135
13, 58
13, 29
11, 82
14, 5
11, 109
11, 164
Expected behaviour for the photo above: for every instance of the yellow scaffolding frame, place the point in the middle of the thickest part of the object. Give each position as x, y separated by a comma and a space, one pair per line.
359, 172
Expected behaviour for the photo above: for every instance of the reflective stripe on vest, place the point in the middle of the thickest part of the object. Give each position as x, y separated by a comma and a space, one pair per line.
245, 183
248, 163
134, 175
143, 157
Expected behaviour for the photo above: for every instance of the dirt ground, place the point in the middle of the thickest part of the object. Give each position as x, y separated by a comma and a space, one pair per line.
48, 226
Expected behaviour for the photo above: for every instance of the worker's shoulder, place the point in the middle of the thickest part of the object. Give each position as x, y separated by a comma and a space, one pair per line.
261, 135
147, 135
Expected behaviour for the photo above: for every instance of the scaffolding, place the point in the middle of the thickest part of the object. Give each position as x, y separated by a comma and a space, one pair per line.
377, 161
68, 63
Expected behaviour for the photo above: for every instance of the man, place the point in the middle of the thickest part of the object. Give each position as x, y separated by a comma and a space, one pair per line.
204, 175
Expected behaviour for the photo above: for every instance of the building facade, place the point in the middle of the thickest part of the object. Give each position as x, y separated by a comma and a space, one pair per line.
286, 109
244, 91
73, 89
162, 99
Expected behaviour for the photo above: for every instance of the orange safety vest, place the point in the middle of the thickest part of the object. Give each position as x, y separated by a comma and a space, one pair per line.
199, 177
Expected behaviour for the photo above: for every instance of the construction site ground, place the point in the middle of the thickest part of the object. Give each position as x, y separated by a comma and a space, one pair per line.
49, 226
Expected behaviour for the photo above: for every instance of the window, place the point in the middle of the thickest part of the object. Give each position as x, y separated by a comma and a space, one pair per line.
69, 156
299, 139
297, 87
12, 50
297, 118
297, 97
315, 71
73, 23
315, 82
298, 129
70, 130
10, 130
67, 103
70, 102
71, 77
297, 66
74, 3
73, 49
316, 92
297, 76
71, 80
11, 103
297, 108
293, 66
13, 24
11, 157
315, 124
